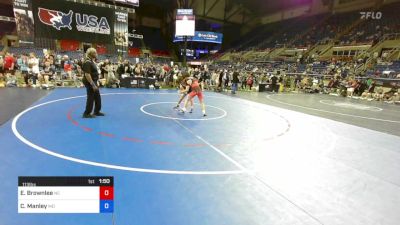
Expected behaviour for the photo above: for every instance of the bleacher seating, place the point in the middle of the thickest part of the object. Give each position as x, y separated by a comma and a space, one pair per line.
301, 68
293, 30
298, 31
307, 31
331, 27
39, 52
26, 50
372, 29
255, 36
318, 68
392, 70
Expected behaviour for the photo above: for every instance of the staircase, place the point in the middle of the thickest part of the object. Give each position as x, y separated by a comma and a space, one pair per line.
225, 57
394, 54
374, 48
248, 54
331, 43
275, 53
328, 47
349, 28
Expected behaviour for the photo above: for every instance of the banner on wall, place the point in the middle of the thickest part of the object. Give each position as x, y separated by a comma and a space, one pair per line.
202, 36
130, 2
135, 40
70, 20
24, 21
121, 28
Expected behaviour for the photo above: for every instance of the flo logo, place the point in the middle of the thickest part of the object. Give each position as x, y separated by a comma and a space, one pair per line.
371, 15
56, 19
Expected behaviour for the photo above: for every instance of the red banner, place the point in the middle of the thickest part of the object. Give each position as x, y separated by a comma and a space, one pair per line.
69, 45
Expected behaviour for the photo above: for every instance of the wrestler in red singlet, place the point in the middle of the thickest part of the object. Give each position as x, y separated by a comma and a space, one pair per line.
196, 91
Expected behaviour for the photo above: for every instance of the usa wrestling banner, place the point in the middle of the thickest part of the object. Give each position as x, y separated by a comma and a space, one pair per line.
75, 21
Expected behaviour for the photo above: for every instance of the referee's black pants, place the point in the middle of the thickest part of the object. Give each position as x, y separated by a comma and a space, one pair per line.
93, 97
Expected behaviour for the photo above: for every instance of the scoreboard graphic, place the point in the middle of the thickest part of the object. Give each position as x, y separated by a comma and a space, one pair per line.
65, 194
185, 22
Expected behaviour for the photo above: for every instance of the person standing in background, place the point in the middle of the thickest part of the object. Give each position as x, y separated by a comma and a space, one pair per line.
243, 80
90, 79
235, 82
220, 78
226, 80
274, 82
33, 68
9, 63
22, 62
1, 64
67, 65
250, 80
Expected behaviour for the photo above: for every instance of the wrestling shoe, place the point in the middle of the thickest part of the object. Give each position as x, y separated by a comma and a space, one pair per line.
191, 111
176, 107
99, 114
183, 110
88, 116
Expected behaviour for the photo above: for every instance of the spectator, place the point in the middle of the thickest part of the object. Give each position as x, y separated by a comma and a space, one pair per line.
138, 70
220, 79
274, 81
103, 66
46, 74
1, 64
250, 81
9, 63
2, 80
67, 65
243, 80
235, 82
124, 68
111, 79
22, 62
387, 96
225, 79
11, 80
378, 95
333, 83
33, 68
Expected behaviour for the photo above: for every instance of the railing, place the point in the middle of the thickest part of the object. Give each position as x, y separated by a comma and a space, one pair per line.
310, 74
392, 52
312, 48
393, 36
368, 53
276, 52
329, 46
379, 79
358, 77
360, 68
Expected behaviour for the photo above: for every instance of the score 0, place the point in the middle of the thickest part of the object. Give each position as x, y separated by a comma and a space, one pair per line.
106, 199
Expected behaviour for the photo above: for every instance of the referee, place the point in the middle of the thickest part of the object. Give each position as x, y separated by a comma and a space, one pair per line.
90, 78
